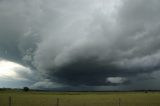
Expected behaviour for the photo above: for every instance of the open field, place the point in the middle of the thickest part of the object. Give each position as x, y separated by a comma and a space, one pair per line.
20, 98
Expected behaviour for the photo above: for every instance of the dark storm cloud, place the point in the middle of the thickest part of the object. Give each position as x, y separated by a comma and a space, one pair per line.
82, 42
125, 44
84, 72
15, 34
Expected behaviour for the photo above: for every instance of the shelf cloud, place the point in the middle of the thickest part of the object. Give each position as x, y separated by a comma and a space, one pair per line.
90, 44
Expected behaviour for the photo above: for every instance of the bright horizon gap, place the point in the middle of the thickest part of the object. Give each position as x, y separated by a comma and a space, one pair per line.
9, 69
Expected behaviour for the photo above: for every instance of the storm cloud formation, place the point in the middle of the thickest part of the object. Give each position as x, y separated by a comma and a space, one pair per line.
91, 43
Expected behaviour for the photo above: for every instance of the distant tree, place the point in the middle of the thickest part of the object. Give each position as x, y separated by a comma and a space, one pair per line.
146, 91
25, 89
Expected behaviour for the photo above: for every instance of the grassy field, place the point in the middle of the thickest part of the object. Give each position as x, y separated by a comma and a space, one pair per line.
79, 98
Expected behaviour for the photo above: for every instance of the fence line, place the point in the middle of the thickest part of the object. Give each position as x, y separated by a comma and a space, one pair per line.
57, 101
119, 101
10, 101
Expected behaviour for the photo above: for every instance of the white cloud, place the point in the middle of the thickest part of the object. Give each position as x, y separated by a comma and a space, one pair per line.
12, 71
116, 80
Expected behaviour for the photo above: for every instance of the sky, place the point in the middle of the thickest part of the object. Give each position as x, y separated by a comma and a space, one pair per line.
80, 44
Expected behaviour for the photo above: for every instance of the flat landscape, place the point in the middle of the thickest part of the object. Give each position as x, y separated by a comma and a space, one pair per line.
19, 98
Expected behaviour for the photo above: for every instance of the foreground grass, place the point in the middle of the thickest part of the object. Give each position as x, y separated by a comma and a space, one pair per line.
80, 99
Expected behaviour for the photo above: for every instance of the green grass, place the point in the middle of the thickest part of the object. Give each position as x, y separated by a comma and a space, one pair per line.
80, 98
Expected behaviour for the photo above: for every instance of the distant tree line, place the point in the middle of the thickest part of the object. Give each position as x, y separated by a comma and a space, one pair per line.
4, 89
15, 89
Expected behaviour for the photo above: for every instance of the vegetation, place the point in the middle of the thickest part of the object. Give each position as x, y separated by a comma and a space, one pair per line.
34, 98
25, 89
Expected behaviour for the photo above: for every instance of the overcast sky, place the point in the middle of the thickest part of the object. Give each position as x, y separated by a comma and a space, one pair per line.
80, 44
